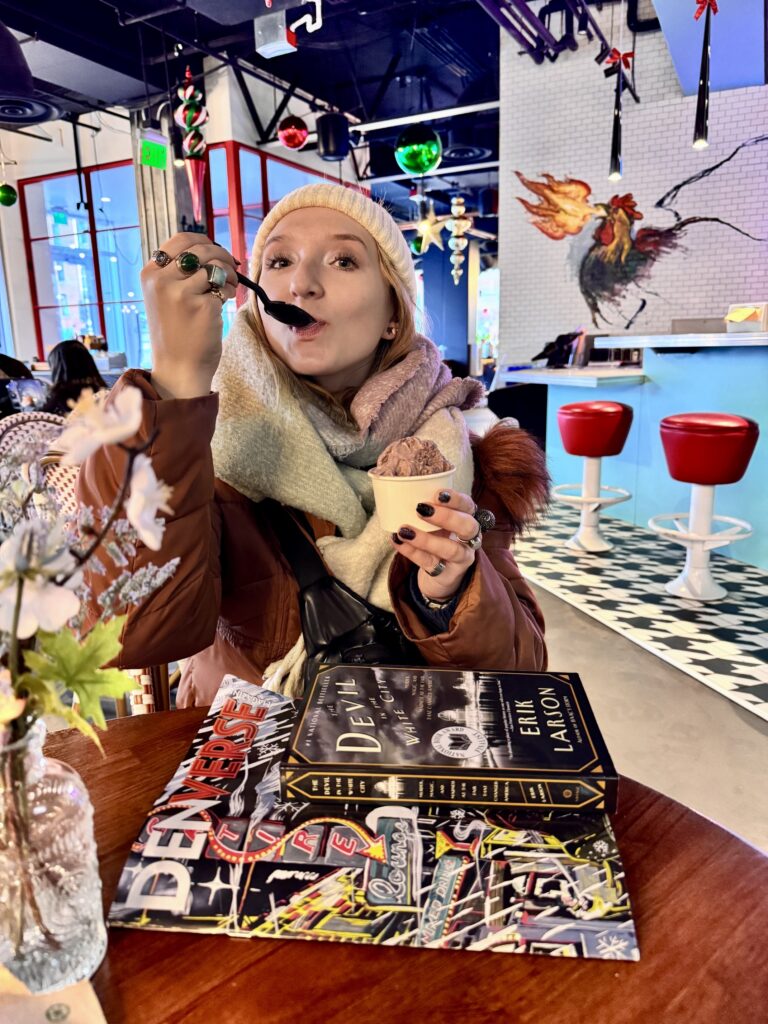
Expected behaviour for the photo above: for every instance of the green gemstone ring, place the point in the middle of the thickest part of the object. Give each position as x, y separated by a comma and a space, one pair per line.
188, 262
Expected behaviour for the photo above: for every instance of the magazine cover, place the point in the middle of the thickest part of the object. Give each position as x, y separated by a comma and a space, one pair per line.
219, 852
425, 735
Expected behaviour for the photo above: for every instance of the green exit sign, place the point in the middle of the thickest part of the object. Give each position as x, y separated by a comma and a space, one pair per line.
154, 154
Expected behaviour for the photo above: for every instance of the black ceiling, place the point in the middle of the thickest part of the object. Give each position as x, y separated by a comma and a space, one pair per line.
371, 60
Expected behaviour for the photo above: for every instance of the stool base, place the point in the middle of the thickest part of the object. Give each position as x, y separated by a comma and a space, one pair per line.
591, 496
695, 581
696, 585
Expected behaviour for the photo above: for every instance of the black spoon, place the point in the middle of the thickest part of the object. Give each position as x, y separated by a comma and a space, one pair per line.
285, 312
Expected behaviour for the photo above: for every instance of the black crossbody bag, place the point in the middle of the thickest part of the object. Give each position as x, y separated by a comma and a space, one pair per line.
339, 626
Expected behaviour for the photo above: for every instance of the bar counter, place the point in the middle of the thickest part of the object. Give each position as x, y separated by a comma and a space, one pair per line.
680, 373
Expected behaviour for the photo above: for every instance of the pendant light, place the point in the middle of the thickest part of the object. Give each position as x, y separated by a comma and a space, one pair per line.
617, 164
619, 62
701, 127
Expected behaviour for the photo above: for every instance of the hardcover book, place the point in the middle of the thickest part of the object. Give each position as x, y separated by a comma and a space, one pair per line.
445, 736
220, 853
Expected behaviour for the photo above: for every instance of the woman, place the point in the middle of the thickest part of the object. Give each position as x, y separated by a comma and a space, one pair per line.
10, 369
72, 370
299, 416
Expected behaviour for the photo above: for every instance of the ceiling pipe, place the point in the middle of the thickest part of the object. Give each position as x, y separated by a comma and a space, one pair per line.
430, 115
637, 24
441, 172
135, 19
503, 18
199, 47
395, 122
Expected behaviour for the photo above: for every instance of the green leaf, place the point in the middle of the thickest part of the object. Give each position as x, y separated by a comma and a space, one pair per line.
62, 660
45, 699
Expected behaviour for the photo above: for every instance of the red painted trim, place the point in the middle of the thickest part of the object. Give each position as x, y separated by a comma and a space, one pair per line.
265, 203
235, 195
30, 268
95, 250
210, 213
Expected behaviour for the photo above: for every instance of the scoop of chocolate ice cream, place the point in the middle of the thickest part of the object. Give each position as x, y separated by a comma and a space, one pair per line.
411, 456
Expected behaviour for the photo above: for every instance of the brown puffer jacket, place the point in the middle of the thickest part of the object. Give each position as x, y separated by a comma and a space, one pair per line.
233, 602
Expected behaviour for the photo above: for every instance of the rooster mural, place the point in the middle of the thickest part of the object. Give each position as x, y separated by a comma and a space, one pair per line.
621, 254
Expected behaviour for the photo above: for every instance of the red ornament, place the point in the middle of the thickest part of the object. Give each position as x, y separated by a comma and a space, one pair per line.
702, 6
292, 132
615, 57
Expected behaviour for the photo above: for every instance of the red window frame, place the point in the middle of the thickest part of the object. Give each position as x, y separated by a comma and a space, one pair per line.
92, 231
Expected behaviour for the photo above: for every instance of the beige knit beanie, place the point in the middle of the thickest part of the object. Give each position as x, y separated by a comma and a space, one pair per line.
368, 214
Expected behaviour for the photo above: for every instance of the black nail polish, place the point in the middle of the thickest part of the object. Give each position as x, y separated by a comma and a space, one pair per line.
444, 496
406, 533
425, 510
396, 539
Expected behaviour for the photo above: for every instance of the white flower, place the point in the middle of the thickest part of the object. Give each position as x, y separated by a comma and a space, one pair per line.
44, 605
37, 554
35, 547
148, 496
94, 421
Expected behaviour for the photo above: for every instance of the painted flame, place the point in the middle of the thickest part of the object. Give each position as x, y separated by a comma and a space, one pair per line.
562, 208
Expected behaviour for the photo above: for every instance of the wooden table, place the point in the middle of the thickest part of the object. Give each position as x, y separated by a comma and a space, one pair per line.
700, 899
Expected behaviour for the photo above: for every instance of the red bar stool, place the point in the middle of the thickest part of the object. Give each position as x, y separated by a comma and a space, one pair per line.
704, 449
593, 430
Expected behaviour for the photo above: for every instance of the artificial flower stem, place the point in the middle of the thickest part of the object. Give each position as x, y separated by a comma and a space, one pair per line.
13, 648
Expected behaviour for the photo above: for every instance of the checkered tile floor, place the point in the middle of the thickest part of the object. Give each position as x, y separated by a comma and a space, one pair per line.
722, 644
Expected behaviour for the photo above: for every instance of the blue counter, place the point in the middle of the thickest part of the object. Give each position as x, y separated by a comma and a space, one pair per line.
724, 378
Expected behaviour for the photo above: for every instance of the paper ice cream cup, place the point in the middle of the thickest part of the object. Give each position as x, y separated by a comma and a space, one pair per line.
397, 498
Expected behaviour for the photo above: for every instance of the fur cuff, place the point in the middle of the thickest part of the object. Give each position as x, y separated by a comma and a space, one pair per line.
510, 463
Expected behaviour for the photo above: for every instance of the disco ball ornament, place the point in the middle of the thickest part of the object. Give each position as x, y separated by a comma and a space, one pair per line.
8, 194
415, 245
293, 132
418, 150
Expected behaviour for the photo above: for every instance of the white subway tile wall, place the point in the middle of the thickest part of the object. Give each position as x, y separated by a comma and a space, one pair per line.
557, 118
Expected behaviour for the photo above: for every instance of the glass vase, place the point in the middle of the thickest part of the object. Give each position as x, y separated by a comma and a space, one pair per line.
52, 931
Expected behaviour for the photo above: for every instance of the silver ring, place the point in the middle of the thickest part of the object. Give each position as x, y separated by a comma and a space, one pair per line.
217, 276
474, 542
439, 567
485, 518
161, 258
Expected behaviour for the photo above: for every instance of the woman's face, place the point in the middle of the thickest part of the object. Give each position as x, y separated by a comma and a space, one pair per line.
327, 264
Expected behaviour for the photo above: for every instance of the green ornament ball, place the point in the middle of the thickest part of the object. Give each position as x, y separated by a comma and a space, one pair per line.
416, 244
418, 150
8, 194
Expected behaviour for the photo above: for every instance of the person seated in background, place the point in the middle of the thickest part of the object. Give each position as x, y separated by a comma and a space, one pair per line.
72, 370
10, 369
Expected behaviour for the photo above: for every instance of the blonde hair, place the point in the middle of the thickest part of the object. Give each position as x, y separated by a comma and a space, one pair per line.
387, 354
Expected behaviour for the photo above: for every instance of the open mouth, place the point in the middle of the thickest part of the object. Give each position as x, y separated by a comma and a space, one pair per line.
311, 331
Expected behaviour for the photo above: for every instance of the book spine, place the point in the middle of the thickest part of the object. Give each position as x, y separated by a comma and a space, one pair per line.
496, 790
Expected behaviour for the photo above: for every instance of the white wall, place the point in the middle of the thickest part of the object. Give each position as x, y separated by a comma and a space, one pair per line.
37, 157
557, 118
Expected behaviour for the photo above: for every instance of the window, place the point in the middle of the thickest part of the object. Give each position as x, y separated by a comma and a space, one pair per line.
86, 259
6, 333
243, 184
